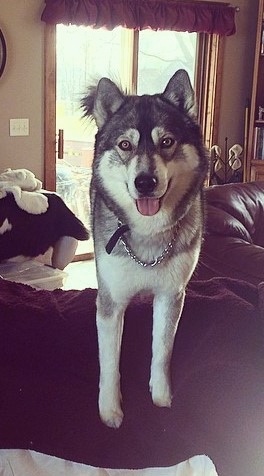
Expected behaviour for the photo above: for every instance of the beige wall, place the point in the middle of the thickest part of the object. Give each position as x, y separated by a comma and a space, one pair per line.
21, 86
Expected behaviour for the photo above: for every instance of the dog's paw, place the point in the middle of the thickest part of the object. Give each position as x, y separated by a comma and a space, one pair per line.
161, 393
110, 406
112, 417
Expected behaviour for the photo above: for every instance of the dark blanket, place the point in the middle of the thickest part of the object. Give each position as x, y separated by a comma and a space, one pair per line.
49, 380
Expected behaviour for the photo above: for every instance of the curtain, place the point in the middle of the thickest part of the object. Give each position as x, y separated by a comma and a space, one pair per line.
191, 16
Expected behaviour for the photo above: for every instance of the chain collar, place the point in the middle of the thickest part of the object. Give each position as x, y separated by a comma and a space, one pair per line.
153, 263
118, 236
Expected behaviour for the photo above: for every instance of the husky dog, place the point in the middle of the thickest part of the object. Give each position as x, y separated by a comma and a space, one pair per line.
147, 219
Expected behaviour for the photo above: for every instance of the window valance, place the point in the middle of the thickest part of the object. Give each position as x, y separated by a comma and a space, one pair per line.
191, 16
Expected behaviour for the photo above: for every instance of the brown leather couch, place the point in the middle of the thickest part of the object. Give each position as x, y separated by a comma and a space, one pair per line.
234, 233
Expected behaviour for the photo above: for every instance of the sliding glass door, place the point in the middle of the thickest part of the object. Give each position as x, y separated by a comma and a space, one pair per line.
139, 62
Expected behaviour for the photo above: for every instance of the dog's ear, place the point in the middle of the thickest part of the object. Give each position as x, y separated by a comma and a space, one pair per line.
102, 101
179, 91
107, 101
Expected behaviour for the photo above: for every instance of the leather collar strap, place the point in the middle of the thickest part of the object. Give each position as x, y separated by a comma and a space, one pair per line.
115, 237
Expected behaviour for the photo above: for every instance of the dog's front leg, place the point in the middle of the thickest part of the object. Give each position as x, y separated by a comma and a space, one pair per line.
166, 315
109, 321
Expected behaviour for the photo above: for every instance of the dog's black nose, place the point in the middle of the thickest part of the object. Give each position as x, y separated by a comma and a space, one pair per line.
145, 183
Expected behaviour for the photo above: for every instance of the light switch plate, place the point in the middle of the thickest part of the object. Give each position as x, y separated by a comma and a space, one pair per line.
19, 127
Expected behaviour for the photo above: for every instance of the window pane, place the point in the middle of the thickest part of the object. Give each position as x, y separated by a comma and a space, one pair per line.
83, 55
161, 53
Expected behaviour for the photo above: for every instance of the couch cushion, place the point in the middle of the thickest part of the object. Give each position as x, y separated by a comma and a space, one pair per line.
236, 210
230, 257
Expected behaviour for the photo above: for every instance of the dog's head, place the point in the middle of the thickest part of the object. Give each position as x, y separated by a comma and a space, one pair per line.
148, 150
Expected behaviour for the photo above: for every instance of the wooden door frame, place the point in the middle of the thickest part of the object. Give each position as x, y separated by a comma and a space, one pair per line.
50, 108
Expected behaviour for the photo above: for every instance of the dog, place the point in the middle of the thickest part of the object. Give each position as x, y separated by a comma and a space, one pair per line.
147, 211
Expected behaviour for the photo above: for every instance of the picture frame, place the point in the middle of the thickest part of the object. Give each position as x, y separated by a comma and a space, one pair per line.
2, 53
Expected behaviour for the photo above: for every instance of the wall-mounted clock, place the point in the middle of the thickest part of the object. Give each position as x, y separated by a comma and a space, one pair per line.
2, 53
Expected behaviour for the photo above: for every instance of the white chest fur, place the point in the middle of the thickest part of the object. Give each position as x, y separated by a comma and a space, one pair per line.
124, 277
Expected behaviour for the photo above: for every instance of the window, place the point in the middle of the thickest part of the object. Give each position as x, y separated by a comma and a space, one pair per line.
141, 62
160, 54
206, 78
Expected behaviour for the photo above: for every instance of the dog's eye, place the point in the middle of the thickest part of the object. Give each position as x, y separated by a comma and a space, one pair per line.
167, 142
125, 145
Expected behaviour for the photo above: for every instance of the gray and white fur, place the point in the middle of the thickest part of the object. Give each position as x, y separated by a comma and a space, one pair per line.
148, 173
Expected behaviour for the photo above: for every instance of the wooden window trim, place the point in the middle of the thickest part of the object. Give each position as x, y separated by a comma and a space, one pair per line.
50, 108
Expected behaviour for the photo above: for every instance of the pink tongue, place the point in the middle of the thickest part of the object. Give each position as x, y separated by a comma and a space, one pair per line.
148, 206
